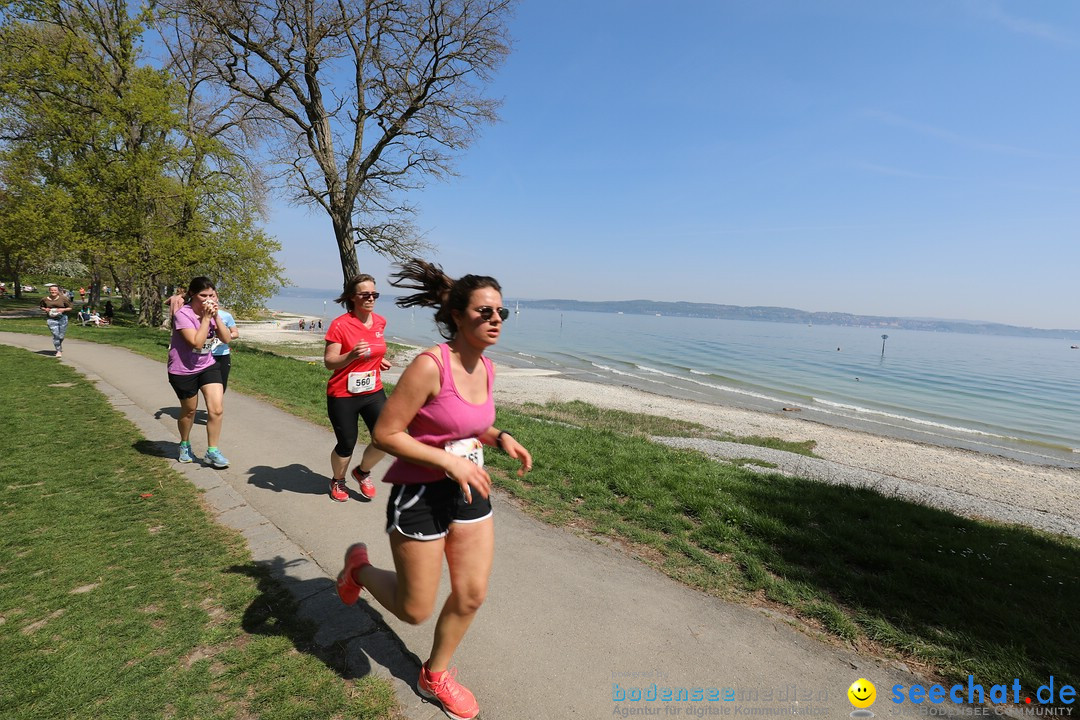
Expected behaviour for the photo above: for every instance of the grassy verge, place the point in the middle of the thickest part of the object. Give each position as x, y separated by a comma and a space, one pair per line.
119, 596
949, 594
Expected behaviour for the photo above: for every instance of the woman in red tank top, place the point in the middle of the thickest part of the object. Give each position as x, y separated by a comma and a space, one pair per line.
437, 423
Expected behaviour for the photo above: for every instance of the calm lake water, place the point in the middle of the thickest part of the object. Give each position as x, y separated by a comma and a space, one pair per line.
1018, 397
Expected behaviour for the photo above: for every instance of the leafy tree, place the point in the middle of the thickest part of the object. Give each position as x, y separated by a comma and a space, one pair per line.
153, 196
34, 217
365, 98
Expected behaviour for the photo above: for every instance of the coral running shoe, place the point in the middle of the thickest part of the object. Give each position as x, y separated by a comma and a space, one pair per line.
367, 488
456, 700
347, 588
338, 491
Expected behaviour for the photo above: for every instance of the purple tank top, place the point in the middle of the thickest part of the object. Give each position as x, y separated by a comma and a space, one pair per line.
445, 418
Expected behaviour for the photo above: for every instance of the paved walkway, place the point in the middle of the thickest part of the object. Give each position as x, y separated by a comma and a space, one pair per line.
569, 623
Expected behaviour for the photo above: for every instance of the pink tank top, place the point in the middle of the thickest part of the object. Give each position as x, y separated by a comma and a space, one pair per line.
445, 418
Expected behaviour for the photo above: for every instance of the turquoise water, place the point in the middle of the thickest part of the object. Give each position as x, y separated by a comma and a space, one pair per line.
1018, 397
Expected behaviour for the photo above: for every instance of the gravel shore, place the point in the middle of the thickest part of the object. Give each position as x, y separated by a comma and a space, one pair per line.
961, 481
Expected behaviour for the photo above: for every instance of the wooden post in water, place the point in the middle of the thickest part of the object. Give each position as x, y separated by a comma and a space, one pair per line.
883, 339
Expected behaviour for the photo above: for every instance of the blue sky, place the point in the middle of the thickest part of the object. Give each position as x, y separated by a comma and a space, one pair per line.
919, 159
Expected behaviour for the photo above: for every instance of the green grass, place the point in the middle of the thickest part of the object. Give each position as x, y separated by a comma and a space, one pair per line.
119, 596
576, 413
953, 595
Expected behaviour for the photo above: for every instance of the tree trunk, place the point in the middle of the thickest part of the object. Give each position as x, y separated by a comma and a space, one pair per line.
126, 291
350, 267
93, 294
150, 301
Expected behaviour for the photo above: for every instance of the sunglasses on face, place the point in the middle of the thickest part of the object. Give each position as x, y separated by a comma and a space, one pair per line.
368, 295
487, 311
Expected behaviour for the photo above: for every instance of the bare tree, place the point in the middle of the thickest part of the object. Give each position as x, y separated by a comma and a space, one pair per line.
366, 99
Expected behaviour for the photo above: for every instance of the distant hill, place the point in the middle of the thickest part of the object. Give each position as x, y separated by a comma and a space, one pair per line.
790, 315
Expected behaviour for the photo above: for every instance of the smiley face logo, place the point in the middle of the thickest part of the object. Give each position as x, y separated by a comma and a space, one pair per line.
862, 693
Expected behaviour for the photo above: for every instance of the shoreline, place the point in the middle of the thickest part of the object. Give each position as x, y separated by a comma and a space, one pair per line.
966, 481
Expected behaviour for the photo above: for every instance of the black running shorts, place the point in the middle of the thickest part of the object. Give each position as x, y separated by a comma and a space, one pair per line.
187, 386
424, 512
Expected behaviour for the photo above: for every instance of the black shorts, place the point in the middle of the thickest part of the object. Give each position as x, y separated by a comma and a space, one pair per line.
187, 386
224, 363
345, 414
424, 512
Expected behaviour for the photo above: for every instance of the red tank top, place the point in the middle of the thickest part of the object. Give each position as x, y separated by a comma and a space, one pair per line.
445, 418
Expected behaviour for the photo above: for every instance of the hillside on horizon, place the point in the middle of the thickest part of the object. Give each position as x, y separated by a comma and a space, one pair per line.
761, 313
792, 315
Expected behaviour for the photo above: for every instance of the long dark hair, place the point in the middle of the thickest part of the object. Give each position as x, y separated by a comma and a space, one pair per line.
349, 289
438, 290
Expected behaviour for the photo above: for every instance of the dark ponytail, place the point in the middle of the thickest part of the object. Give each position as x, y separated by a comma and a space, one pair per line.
438, 290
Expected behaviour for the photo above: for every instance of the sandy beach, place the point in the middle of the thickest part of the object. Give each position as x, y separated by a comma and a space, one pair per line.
968, 483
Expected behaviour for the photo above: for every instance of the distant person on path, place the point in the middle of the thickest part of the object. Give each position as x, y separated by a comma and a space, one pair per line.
56, 305
192, 368
436, 423
220, 350
356, 355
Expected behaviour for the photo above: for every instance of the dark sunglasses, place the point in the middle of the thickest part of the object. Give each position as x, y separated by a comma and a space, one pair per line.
487, 311
368, 295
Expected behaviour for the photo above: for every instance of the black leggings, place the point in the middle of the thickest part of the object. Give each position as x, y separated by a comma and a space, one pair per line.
345, 414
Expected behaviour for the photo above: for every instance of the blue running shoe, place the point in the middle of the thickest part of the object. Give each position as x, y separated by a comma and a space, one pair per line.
215, 459
186, 455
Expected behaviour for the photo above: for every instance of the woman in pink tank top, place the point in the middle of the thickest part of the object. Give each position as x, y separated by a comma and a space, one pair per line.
437, 423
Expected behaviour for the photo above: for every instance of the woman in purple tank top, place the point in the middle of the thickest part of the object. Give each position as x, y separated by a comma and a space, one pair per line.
437, 423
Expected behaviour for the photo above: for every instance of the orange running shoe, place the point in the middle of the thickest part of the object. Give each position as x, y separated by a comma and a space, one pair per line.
347, 588
367, 488
337, 490
456, 700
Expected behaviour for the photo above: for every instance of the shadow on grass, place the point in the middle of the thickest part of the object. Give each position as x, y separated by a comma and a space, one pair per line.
295, 478
308, 612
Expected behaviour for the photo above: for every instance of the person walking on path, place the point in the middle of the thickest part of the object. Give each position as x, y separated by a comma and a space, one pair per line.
220, 350
56, 306
436, 423
356, 354
192, 368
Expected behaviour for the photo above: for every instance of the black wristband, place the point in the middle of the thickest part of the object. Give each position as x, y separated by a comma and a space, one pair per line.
498, 438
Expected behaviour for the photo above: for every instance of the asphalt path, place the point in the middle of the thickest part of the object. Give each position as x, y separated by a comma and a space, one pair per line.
572, 627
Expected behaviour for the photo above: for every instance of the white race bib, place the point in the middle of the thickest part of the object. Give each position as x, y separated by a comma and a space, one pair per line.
469, 448
207, 346
361, 382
